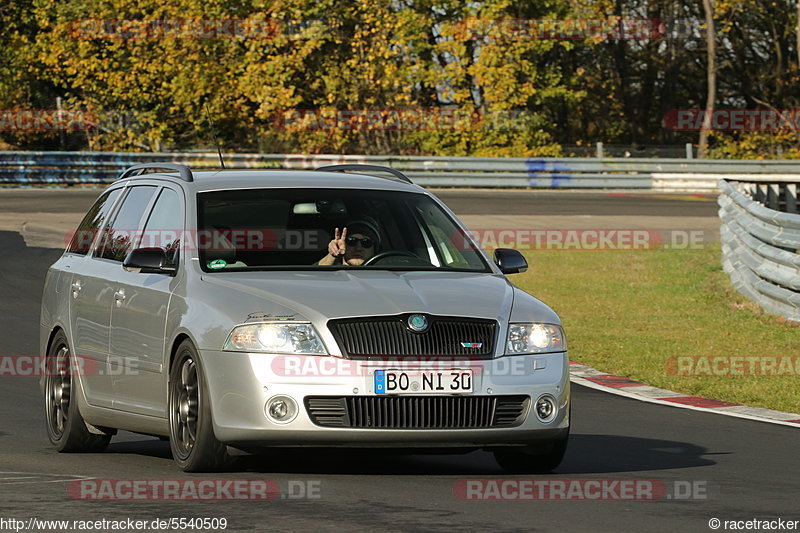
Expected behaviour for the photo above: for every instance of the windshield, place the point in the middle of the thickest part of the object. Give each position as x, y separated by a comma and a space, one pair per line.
258, 229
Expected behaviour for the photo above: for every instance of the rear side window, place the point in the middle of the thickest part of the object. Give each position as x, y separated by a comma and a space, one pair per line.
91, 223
118, 237
164, 227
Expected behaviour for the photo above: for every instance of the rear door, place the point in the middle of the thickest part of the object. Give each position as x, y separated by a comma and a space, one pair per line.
81, 281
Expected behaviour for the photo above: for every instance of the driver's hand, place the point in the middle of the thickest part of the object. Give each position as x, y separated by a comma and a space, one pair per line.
336, 246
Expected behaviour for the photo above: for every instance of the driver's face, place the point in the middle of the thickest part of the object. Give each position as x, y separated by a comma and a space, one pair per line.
355, 252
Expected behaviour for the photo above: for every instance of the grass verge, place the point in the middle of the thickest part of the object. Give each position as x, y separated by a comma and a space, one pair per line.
630, 312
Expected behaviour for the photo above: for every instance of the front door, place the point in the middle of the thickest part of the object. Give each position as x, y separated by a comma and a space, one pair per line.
139, 316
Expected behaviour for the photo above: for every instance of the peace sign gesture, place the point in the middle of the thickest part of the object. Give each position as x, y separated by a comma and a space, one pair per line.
336, 246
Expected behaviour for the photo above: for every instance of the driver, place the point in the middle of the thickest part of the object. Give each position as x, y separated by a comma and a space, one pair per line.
357, 243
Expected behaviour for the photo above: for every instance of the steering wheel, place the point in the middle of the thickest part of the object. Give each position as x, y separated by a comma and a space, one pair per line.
390, 253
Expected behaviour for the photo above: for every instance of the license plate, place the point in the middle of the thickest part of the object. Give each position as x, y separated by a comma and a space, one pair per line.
423, 382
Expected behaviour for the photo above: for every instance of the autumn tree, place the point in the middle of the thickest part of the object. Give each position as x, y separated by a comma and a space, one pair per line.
457, 78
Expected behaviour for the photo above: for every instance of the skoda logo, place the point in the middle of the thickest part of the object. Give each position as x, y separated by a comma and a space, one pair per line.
418, 323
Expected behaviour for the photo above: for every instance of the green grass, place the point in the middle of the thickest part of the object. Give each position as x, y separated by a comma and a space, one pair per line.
629, 312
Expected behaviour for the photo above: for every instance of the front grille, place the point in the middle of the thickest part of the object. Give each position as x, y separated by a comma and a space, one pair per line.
391, 336
418, 412
330, 412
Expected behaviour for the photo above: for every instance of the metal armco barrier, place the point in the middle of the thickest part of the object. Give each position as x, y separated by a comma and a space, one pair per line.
30, 168
760, 242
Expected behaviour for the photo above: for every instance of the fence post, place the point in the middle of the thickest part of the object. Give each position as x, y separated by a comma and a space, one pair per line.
760, 193
790, 195
772, 196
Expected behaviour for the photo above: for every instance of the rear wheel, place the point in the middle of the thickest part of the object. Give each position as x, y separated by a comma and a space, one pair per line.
539, 458
65, 426
194, 446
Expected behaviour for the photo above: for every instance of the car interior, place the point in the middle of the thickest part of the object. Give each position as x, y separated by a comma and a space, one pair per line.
262, 230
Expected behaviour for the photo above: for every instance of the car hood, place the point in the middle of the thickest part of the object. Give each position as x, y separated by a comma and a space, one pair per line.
319, 296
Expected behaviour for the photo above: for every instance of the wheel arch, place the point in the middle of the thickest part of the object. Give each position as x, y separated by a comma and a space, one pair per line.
53, 332
48, 345
173, 350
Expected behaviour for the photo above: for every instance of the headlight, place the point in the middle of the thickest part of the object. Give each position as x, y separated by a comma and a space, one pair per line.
279, 337
535, 338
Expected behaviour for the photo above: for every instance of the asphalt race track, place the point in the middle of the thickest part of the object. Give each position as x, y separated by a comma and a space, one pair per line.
738, 469
462, 201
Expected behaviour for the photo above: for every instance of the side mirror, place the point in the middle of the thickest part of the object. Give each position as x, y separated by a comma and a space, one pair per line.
150, 261
510, 261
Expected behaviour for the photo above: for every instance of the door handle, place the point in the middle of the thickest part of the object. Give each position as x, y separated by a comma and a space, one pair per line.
76, 288
119, 296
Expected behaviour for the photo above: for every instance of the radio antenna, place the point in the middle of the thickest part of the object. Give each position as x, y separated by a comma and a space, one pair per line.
216, 140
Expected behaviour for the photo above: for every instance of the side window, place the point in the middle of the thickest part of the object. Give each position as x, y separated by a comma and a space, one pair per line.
164, 227
118, 237
91, 223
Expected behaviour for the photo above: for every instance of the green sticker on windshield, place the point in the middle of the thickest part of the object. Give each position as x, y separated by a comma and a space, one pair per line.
216, 264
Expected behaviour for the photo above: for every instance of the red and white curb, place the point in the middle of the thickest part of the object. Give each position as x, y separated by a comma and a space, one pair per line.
622, 386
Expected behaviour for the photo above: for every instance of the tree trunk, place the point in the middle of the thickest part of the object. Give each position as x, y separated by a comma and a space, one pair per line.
711, 71
797, 29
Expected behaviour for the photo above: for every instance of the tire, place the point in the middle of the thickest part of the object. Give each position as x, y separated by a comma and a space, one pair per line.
191, 433
539, 458
66, 428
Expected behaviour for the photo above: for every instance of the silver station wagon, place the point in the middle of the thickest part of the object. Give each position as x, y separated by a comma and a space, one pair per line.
342, 306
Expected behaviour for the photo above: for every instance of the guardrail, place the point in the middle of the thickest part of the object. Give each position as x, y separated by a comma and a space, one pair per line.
30, 168
761, 240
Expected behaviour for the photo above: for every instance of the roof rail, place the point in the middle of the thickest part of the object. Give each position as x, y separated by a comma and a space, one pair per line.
374, 168
183, 171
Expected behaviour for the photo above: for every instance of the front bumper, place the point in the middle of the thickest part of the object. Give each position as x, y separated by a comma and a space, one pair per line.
241, 384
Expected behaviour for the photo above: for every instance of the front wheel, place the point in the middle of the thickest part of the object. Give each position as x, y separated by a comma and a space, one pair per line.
66, 428
191, 435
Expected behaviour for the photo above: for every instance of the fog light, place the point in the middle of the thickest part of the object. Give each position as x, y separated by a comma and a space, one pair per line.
546, 408
278, 410
281, 409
